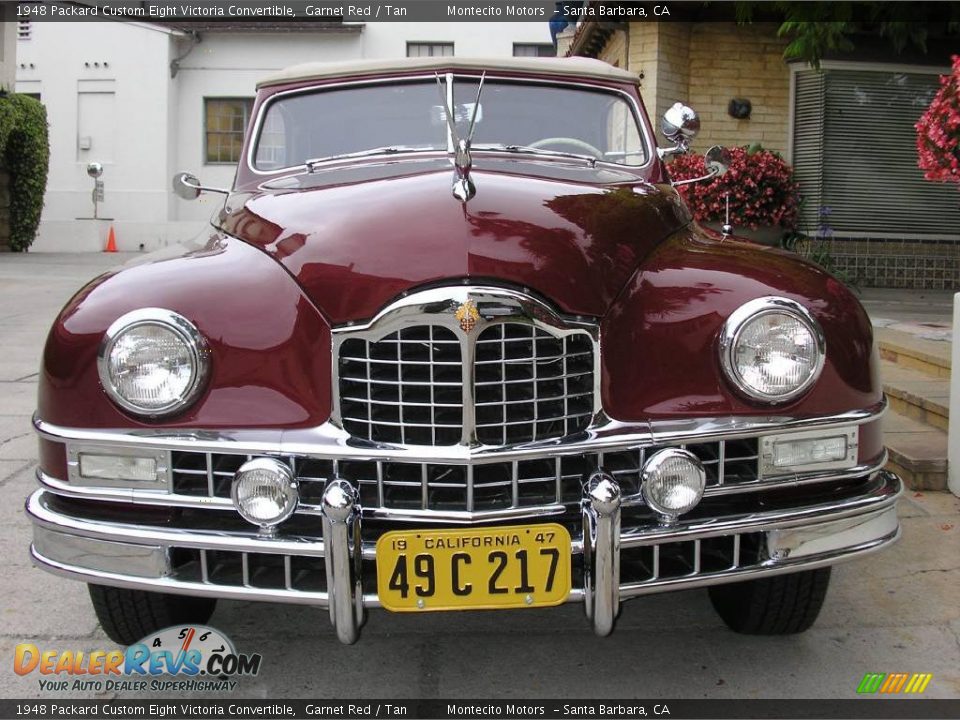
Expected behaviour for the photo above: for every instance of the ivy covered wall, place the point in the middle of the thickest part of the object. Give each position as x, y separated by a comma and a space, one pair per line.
24, 157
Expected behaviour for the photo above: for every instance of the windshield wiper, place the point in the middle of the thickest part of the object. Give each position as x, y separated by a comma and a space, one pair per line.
527, 150
385, 150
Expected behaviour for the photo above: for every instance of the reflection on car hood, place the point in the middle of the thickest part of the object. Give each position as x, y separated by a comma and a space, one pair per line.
357, 237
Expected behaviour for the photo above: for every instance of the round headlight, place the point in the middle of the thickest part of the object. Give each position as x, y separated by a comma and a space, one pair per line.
772, 349
264, 492
673, 481
152, 362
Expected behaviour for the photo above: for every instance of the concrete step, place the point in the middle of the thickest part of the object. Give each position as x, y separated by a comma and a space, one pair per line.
917, 452
908, 350
917, 395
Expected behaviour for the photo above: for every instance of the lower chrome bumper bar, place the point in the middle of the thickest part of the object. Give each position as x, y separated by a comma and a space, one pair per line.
780, 541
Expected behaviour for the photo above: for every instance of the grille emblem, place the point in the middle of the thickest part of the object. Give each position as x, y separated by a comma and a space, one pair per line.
468, 315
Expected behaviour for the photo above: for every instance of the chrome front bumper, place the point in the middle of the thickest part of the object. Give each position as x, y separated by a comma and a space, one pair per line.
143, 556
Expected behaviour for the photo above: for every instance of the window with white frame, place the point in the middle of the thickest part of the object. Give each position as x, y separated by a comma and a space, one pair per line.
24, 30
854, 151
225, 123
428, 49
534, 50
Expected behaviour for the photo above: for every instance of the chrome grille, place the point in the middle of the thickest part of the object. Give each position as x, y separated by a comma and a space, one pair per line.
647, 565
499, 485
266, 571
644, 565
530, 385
405, 388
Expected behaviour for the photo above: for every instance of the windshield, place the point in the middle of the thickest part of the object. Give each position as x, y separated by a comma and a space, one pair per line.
409, 116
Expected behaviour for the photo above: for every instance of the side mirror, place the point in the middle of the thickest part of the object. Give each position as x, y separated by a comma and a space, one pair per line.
188, 187
717, 160
680, 125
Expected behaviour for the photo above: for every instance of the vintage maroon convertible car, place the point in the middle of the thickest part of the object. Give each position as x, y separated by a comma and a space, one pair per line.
454, 342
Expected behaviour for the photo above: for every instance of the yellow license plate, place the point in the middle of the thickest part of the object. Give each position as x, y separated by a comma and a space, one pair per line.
473, 568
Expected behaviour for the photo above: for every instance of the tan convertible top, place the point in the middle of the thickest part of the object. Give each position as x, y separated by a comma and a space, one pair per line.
566, 67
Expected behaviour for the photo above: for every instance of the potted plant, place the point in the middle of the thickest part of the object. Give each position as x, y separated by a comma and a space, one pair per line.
938, 131
763, 194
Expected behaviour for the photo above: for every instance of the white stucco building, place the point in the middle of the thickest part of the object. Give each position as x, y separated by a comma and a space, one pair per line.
148, 100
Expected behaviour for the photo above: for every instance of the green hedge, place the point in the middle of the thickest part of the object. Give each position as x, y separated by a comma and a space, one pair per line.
24, 156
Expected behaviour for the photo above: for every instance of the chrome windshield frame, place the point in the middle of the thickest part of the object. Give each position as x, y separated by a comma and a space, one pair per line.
649, 145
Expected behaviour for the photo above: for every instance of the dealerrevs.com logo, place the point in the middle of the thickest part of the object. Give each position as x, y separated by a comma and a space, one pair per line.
192, 657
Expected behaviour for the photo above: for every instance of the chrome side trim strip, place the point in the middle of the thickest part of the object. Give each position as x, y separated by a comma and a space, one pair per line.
628, 591
881, 497
144, 497
166, 585
179, 587
39, 511
632, 590
328, 441
102, 555
370, 600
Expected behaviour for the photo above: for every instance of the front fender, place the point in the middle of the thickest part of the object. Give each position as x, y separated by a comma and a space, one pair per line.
270, 347
660, 350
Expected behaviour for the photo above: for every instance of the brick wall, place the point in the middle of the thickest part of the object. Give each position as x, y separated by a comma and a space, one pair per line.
673, 67
642, 59
729, 60
705, 65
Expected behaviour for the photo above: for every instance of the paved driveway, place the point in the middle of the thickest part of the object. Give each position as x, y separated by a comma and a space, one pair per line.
898, 611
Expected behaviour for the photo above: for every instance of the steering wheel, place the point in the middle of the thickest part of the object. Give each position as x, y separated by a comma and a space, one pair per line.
579, 145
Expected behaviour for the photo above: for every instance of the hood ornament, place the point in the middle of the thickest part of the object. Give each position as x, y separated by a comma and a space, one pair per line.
468, 315
463, 186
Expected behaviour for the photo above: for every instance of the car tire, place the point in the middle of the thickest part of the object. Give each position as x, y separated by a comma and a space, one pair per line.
779, 605
130, 615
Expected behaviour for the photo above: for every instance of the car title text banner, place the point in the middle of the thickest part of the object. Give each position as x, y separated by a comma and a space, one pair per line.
261, 11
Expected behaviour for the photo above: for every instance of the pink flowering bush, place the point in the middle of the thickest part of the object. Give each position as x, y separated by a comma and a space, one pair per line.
938, 131
760, 184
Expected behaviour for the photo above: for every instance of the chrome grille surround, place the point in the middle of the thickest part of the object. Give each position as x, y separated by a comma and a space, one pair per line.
395, 378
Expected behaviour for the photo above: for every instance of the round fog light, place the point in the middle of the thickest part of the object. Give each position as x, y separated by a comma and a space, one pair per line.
673, 482
264, 492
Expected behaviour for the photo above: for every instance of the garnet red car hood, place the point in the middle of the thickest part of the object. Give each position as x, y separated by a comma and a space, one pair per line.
357, 238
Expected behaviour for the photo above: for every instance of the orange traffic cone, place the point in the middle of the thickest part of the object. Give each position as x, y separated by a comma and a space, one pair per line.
111, 241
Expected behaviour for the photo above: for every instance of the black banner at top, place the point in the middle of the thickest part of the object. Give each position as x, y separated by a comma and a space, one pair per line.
367, 11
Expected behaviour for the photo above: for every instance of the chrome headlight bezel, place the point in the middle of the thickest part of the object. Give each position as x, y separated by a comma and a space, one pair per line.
184, 330
754, 309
